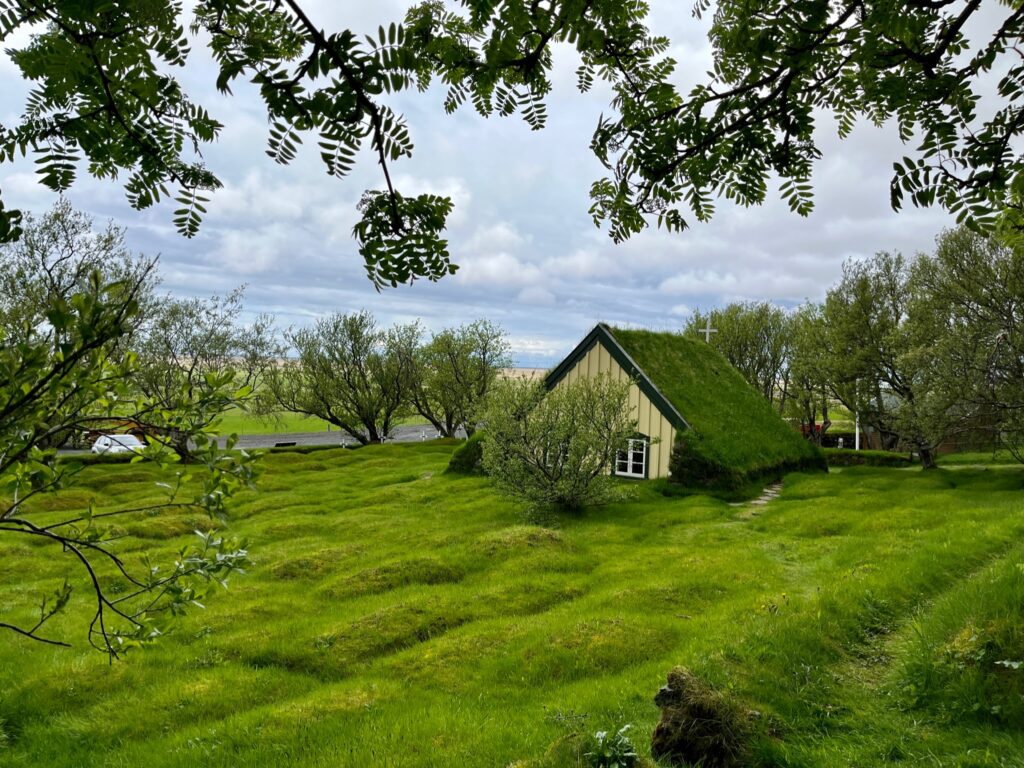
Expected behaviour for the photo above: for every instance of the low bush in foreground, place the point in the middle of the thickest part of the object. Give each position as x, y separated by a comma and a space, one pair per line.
555, 449
468, 458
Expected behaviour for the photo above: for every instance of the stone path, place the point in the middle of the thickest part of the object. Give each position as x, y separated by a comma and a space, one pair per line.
753, 508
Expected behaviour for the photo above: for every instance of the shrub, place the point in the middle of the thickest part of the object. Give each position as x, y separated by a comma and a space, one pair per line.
612, 750
555, 449
468, 458
841, 457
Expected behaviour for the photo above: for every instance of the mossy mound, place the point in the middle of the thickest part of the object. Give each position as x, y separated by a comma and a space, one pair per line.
468, 458
698, 726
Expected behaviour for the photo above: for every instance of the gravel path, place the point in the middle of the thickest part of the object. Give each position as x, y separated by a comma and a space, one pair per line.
753, 507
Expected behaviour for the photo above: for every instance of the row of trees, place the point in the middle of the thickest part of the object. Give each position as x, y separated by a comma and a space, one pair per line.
196, 358
923, 349
363, 378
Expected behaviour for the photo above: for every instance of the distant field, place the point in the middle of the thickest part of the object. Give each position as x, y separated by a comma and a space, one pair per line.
240, 422
398, 616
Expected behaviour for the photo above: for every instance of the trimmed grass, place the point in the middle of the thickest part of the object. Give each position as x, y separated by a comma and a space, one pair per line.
399, 616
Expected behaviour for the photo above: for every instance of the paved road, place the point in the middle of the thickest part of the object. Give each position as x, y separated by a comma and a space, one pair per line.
410, 434
398, 434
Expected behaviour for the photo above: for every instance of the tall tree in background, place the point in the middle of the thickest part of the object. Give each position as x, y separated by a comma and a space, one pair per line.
755, 338
190, 349
56, 258
107, 96
454, 372
880, 356
64, 371
809, 393
972, 289
349, 372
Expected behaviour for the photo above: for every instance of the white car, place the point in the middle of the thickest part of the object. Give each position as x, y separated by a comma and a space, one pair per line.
117, 444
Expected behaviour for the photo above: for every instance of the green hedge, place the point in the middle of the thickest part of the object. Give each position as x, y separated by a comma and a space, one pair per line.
88, 459
846, 457
694, 463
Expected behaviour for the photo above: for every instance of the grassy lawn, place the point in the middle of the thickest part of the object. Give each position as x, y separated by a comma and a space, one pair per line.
397, 616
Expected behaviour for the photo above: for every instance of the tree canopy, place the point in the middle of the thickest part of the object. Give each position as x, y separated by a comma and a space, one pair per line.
108, 96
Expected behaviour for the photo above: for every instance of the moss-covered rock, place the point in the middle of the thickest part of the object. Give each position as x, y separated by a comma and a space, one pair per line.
699, 725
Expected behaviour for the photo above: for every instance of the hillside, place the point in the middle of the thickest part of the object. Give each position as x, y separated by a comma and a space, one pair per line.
398, 616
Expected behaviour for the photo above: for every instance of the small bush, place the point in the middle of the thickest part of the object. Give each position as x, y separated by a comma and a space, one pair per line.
468, 458
843, 457
612, 750
554, 449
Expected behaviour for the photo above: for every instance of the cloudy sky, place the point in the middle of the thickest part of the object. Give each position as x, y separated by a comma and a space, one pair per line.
530, 258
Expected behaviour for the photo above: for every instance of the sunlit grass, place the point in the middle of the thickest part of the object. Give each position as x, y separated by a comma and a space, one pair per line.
398, 616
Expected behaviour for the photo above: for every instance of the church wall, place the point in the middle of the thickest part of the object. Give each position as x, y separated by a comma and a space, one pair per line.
649, 419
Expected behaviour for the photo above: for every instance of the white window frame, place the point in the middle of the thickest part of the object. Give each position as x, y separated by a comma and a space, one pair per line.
625, 458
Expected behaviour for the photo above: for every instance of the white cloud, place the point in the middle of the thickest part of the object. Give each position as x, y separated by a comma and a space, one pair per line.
530, 257
537, 295
497, 269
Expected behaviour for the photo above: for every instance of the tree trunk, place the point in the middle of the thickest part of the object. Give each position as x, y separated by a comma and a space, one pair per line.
179, 444
927, 457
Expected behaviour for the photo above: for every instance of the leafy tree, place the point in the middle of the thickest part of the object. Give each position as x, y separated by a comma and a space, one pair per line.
107, 96
555, 449
348, 372
57, 257
880, 356
454, 372
809, 393
190, 349
64, 375
755, 338
972, 290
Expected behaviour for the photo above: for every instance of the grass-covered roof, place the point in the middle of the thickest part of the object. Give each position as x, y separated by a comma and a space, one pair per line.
731, 424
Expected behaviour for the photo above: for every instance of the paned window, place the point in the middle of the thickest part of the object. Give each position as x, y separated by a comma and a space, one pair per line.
632, 462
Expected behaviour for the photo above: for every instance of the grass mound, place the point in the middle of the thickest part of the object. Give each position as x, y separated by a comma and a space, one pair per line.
468, 458
735, 435
965, 659
699, 725
397, 615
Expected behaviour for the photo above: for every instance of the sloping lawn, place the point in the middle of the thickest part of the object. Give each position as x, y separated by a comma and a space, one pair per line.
398, 616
